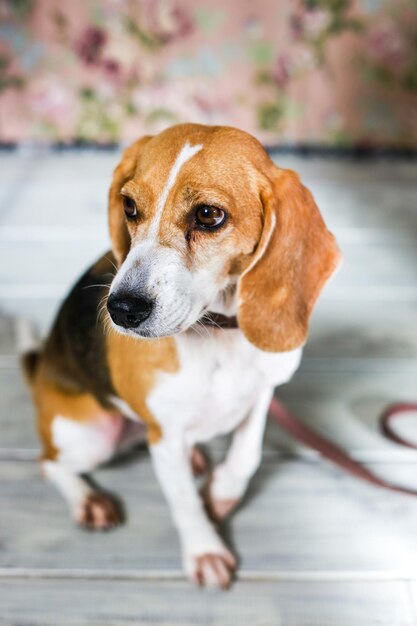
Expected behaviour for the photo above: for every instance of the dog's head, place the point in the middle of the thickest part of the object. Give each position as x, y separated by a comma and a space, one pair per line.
202, 220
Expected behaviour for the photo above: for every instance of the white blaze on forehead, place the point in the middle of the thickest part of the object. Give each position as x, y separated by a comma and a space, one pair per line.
185, 155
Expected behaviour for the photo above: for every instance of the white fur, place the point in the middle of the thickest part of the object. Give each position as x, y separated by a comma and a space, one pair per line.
84, 445
72, 487
187, 152
179, 293
223, 383
220, 378
230, 478
124, 408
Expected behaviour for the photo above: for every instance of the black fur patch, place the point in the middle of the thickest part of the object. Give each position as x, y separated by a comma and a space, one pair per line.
75, 353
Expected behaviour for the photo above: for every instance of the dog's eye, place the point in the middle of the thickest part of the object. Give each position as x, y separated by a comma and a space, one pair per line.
209, 216
129, 206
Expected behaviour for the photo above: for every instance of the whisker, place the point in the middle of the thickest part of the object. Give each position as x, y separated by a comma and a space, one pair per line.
102, 315
110, 261
214, 323
97, 285
199, 326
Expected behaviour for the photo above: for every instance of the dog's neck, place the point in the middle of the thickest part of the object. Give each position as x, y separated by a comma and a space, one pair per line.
222, 313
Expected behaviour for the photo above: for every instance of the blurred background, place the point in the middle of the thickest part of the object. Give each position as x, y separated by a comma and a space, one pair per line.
330, 87
332, 72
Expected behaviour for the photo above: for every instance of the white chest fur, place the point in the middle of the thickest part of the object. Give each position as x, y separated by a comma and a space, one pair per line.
220, 377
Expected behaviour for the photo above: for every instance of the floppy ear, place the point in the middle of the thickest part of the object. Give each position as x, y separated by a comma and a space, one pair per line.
295, 257
119, 234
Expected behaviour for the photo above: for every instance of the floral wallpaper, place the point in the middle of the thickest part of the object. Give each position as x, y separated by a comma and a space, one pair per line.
339, 72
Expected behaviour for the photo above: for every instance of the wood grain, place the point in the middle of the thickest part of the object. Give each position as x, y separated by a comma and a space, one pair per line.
99, 603
298, 517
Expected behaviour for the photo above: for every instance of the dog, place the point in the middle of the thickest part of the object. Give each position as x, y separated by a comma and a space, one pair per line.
184, 330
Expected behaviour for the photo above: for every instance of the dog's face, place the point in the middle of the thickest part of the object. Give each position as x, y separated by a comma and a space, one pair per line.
198, 213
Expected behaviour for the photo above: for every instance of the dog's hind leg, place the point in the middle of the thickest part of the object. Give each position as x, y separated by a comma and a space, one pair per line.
79, 435
90, 508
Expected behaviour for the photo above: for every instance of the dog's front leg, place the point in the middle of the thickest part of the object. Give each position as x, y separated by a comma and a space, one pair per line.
230, 479
206, 559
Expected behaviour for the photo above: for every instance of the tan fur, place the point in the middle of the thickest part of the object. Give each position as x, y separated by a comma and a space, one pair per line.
123, 172
218, 175
134, 365
296, 255
52, 400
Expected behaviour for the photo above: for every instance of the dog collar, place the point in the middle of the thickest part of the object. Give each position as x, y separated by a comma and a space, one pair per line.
218, 320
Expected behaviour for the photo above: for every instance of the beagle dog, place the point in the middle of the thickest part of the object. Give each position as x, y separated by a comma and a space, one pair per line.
184, 330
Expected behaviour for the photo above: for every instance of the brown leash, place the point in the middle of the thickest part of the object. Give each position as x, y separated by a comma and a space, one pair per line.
332, 452
387, 418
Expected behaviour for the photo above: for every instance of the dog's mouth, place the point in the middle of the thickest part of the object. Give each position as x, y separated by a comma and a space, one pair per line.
149, 324
207, 320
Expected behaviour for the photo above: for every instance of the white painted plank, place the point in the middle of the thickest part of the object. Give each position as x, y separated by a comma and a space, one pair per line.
45, 263
412, 586
68, 189
7, 334
98, 603
298, 517
17, 414
361, 194
363, 329
38, 311
345, 406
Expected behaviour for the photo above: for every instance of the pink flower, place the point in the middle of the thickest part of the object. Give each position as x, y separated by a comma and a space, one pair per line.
281, 72
111, 68
51, 101
90, 45
169, 23
315, 22
296, 26
309, 23
183, 22
386, 46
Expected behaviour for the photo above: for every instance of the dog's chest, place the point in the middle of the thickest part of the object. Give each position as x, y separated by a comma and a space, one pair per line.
219, 380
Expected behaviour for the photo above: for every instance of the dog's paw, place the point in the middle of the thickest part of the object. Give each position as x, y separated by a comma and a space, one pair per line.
98, 512
212, 569
219, 509
199, 463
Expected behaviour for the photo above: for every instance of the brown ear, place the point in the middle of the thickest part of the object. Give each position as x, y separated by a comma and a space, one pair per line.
119, 234
295, 256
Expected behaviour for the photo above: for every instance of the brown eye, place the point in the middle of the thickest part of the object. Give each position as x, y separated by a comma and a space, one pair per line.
129, 206
209, 216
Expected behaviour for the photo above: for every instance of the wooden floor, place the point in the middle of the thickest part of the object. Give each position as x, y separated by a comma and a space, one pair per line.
317, 548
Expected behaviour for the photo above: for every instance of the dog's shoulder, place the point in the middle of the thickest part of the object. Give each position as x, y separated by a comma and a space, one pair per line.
74, 355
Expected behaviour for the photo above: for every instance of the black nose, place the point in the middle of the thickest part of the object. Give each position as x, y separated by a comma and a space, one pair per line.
129, 311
